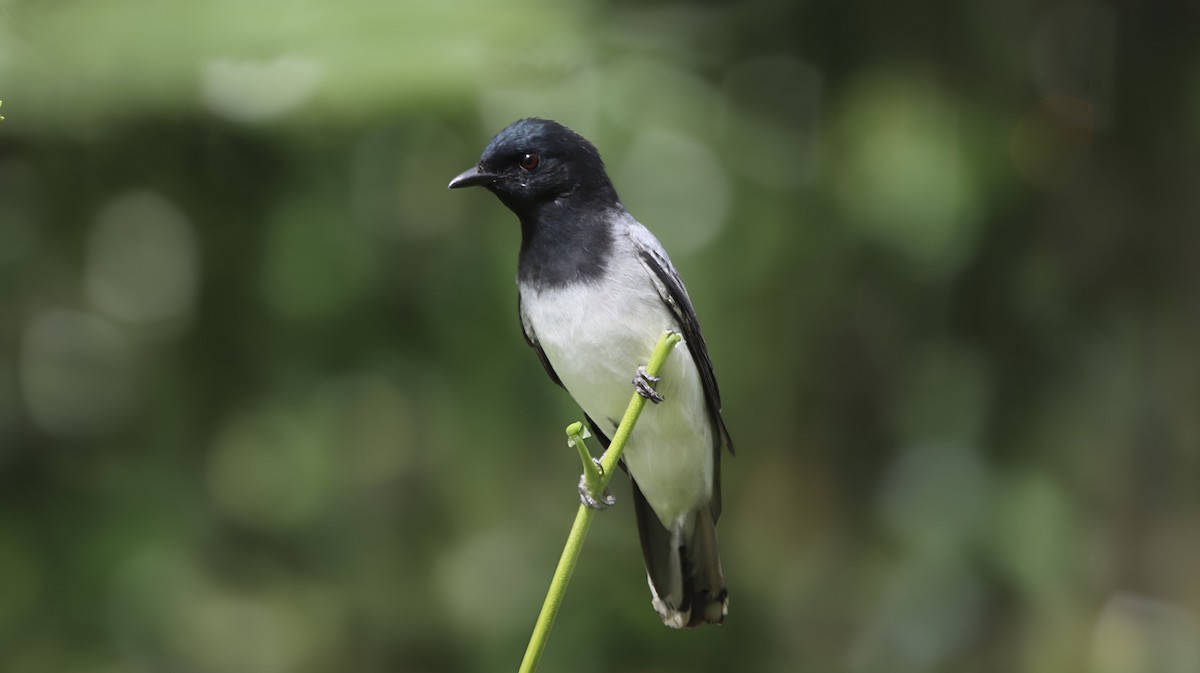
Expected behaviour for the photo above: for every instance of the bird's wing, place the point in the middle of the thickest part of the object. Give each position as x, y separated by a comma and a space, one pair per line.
675, 296
531, 339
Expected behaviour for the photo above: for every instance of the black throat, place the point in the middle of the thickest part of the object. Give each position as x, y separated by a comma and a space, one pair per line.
565, 241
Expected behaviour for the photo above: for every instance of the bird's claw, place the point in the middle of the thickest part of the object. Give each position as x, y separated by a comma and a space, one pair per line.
604, 501
644, 384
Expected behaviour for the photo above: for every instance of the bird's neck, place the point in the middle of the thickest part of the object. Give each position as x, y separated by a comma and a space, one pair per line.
564, 242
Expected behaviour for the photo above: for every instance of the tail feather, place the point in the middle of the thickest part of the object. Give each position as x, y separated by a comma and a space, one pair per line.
683, 566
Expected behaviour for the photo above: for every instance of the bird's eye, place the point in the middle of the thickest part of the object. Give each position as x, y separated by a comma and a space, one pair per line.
529, 161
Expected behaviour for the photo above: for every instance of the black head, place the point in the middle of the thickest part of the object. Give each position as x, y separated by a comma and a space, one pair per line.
534, 162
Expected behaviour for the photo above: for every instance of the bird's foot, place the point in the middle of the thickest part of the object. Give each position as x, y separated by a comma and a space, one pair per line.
644, 384
603, 501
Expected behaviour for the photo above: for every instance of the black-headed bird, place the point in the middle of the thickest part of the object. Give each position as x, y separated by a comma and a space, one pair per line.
596, 290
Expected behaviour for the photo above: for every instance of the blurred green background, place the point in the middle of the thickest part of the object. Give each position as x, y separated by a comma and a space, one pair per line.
265, 406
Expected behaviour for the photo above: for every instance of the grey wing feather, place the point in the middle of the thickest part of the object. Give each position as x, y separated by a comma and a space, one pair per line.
531, 339
675, 296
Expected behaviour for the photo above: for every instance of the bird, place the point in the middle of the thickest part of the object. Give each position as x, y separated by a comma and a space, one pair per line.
595, 291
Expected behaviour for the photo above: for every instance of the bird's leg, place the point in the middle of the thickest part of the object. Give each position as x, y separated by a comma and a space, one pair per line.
604, 501
644, 384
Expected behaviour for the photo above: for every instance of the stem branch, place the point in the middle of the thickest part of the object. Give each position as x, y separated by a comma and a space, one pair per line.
583, 518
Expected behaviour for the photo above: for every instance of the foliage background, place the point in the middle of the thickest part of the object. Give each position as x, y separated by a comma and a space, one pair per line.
264, 405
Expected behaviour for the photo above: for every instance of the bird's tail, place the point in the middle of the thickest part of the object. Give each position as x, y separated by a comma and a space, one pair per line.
683, 566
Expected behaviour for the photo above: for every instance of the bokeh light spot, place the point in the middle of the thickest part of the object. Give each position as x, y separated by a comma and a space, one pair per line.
1032, 532
374, 423
142, 261
935, 495
76, 373
1141, 634
676, 186
256, 91
164, 602
930, 608
482, 578
272, 468
902, 178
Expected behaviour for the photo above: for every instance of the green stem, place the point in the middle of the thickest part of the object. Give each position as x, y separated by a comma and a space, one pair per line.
591, 470
608, 462
583, 518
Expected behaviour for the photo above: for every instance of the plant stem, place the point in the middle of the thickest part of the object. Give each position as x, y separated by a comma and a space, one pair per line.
612, 456
591, 469
583, 518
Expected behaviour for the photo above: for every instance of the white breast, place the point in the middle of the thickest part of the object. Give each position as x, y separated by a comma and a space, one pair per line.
595, 336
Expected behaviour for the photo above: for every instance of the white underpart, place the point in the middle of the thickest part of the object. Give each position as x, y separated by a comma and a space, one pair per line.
595, 335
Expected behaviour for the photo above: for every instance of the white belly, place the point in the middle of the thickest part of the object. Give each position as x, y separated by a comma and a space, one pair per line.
595, 344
